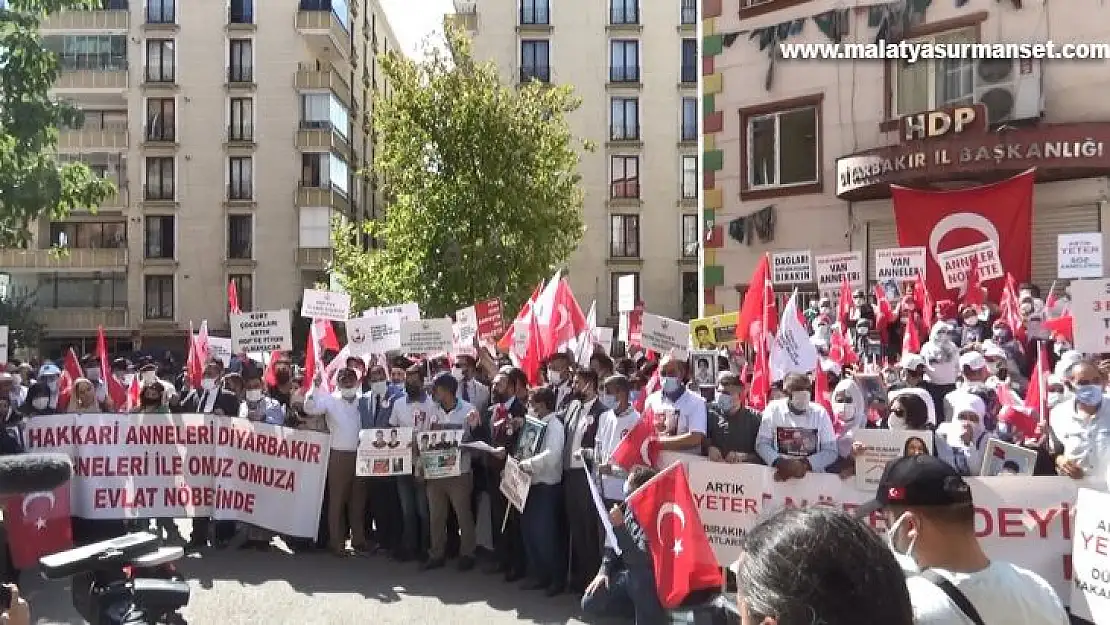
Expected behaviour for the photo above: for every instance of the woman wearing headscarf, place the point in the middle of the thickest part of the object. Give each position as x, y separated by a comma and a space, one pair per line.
38, 401
966, 435
849, 413
942, 364
82, 398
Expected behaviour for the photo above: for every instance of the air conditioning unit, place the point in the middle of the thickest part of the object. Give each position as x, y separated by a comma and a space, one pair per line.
1010, 89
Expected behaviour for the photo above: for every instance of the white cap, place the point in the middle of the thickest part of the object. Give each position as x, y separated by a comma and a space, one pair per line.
912, 361
967, 402
990, 350
972, 360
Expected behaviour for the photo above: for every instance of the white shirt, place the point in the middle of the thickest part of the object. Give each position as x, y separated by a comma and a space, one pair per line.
809, 435
419, 415
687, 414
477, 394
574, 438
611, 428
546, 464
1085, 439
344, 421
951, 433
1002, 593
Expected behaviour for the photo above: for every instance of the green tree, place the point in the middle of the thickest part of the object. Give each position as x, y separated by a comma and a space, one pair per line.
18, 312
32, 181
482, 181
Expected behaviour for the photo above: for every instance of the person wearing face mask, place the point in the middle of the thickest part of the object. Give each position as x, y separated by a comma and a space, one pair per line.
975, 373
733, 426
12, 388
681, 416
796, 435
211, 397
82, 398
971, 331
581, 419
38, 400
558, 375
470, 389
942, 363
1002, 337
148, 374
849, 414
416, 410
121, 368
90, 365
931, 515
152, 401
613, 425
50, 376
280, 385
965, 434
1079, 429
341, 410
861, 309
382, 506
544, 515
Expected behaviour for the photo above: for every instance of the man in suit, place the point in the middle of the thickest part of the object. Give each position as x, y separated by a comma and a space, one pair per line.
378, 498
583, 527
470, 389
559, 376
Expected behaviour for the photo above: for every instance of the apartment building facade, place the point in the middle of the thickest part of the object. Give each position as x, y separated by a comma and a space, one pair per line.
233, 131
634, 63
803, 137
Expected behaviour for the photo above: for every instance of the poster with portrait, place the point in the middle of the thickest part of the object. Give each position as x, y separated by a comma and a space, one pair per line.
383, 452
440, 453
1002, 458
882, 446
531, 438
515, 484
703, 368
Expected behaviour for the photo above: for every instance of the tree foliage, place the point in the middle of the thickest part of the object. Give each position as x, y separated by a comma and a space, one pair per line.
32, 181
483, 183
18, 312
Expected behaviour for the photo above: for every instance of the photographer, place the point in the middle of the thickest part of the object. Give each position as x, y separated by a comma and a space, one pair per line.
18, 612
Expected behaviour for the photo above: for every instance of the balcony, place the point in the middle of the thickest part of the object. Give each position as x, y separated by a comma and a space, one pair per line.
239, 77
99, 80
87, 20
624, 74
313, 257
541, 73
109, 139
71, 259
624, 18
465, 15
69, 320
323, 30
316, 136
312, 78
624, 133
323, 196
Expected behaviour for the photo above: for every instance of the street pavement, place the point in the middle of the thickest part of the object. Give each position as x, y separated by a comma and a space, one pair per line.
277, 587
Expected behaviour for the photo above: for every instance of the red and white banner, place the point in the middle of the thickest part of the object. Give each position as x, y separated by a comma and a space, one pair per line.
943, 221
491, 323
130, 466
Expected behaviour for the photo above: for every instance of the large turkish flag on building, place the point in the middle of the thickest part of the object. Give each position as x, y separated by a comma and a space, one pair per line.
943, 221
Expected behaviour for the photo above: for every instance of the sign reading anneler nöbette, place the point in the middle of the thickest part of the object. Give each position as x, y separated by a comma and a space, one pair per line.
261, 332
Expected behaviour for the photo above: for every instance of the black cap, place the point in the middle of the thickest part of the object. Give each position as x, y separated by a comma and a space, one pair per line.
917, 482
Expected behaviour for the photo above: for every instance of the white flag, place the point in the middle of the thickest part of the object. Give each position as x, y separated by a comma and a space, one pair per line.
791, 351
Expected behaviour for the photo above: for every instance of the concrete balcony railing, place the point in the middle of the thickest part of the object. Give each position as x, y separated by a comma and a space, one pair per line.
90, 79
322, 138
72, 259
78, 319
100, 140
313, 257
87, 20
323, 29
309, 78
322, 196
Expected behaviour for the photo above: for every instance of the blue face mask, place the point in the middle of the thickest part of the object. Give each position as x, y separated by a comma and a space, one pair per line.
726, 402
1089, 394
608, 401
671, 385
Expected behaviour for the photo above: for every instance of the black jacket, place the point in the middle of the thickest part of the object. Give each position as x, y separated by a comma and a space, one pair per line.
226, 403
12, 440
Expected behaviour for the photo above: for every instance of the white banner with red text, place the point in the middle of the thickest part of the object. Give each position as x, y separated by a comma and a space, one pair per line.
128, 466
1024, 520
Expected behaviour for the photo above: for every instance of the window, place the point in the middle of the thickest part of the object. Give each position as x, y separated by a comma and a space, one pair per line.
625, 114
782, 148
689, 60
158, 237
160, 62
935, 84
244, 286
161, 119
105, 53
102, 120
160, 12
315, 227
690, 240
98, 292
689, 177
114, 5
624, 236
689, 129
241, 12
88, 235
240, 65
324, 171
690, 294
159, 297
240, 178
689, 11
240, 233
159, 178
625, 180
624, 61
624, 12
614, 289
241, 126
535, 59
324, 111
535, 12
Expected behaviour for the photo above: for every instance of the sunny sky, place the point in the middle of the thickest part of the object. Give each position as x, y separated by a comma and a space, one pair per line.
413, 21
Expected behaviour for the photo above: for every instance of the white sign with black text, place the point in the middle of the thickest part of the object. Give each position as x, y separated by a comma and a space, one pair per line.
377, 334
261, 332
792, 267
833, 268
661, 334
1079, 255
427, 336
328, 305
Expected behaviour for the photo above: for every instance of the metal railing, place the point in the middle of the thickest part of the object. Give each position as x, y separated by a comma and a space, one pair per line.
240, 132
158, 193
624, 15
240, 74
529, 73
624, 190
536, 15
689, 73
624, 73
240, 192
624, 132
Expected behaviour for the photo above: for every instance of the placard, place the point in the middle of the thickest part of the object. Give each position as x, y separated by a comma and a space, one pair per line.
262, 332
521, 330
1001, 458
714, 332
626, 293
661, 334
4, 344
427, 336
220, 348
440, 456
792, 267
882, 446
703, 367
408, 311
466, 328
1090, 558
330, 305
515, 484
954, 264
604, 337
383, 452
491, 322
1079, 255
377, 334
832, 268
1090, 308
899, 264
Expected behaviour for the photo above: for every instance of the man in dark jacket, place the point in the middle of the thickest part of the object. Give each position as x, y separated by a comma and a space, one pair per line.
732, 425
581, 421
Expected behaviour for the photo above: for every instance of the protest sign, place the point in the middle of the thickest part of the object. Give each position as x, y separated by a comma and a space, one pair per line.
466, 328
1090, 558
491, 324
713, 332
515, 484
1090, 307
661, 334
3, 343
440, 455
129, 466
832, 269
882, 446
900, 264
1079, 255
792, 267
427, 336
220, 348
604, 337
954, 264
374, 335
261, 332
384, 451
521, 331
409, 311
626, 293
329, 305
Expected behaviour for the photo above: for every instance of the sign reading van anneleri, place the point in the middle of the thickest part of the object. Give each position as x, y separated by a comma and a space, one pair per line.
792, 267
263, 332
901, 264
1079, 255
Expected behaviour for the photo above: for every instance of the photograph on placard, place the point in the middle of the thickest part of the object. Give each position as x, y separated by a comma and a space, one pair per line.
703, 367
384, 452
440, 453
879, 447
531, 438
1002, 458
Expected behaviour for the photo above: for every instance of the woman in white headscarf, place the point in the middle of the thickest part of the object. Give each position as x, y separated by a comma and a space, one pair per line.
965, 434
942, 363
849, 407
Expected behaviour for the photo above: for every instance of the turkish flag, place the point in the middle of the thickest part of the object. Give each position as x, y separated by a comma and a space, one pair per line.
681, 555
640, 446
38, 525
942, 221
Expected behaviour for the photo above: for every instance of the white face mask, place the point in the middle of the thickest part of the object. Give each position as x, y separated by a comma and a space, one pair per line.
254, 395
799, 401
895, 423
556, 377
379, 388
905, 560
1054, 399
52, 384
208, 384
348, 393
40, 403
148, 376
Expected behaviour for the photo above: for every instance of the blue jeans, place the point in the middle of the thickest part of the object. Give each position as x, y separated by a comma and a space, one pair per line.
547, 558
414, 512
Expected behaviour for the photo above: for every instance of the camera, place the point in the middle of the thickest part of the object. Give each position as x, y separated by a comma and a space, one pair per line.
128, 580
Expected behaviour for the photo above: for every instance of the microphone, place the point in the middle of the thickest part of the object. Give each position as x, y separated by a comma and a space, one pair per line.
31, 473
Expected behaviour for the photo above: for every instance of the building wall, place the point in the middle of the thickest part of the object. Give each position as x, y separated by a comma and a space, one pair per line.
852, 110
